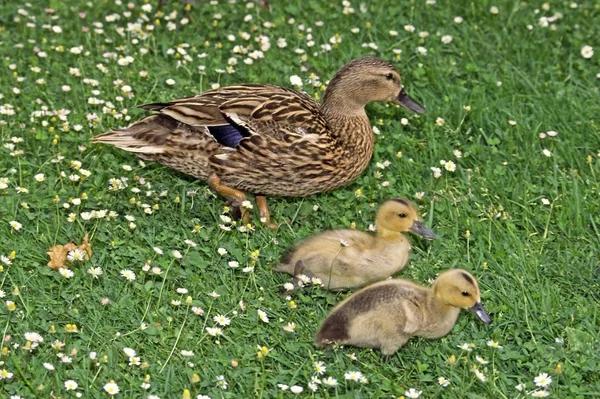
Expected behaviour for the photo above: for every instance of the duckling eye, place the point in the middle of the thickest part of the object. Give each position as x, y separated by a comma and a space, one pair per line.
402, 215
465, 293
389, 76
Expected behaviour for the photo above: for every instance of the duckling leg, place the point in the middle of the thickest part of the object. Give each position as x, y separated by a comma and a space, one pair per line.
236, 196
263, 208
391, 346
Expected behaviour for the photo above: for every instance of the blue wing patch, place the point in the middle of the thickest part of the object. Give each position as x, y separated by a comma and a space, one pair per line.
228, 135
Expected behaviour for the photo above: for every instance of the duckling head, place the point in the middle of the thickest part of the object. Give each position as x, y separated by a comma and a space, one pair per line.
400, 215
365, 80
457, 287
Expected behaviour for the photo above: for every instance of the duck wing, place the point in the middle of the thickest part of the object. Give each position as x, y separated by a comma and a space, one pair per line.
250, 135
237, 112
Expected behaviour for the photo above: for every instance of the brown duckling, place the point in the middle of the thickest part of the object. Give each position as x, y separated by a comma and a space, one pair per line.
349, 258
387, 314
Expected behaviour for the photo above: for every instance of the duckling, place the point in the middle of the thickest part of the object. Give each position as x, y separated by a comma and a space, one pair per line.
348, 258
387, 314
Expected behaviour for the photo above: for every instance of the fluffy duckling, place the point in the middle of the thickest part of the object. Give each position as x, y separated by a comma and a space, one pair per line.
349, 258
387, 314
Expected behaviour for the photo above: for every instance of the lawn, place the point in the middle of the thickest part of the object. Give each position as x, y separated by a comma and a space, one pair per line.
512, 92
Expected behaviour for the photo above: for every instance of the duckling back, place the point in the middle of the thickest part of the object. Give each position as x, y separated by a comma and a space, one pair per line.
387, 314
344, 259
383, 315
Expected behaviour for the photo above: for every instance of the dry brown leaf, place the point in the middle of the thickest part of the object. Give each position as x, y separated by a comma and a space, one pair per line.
86, 247
58, 253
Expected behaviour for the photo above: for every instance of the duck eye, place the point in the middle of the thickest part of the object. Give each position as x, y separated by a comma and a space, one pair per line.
465, 293
402, 215
389, 76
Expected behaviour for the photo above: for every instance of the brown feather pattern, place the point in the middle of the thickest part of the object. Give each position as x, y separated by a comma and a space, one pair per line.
295, 147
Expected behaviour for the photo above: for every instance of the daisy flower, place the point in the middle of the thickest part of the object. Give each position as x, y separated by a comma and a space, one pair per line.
177, 254
540, 394
542, 380
296, 81
296, 389
494, 344
66, 273
214, 331
320, 368
222, 320
111, 388
5, 374
587, 51
450, 166
128, 274
481, 360
263, 316
197, 310
480, 375
354, 376
466, 347
33, 337
129, 352
221, 383
76, 255
330, 381
412, 393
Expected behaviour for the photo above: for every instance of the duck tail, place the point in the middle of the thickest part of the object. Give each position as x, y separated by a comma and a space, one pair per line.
146, 136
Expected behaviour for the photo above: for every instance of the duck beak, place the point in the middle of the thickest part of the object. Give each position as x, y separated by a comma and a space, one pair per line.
404, 100
419, 228
480, 312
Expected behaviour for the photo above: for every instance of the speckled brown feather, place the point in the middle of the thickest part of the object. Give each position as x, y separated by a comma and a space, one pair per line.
295, 146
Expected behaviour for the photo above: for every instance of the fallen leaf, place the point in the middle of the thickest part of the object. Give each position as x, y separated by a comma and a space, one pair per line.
86, 247
58, 253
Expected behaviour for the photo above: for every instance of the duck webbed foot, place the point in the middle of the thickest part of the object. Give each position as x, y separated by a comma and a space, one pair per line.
263, 209
236, 197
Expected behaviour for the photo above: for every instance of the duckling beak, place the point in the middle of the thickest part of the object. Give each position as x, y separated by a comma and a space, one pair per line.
419, 228
480, 312
404, 100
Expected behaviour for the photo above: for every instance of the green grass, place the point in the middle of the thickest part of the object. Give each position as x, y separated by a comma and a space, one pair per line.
537, 264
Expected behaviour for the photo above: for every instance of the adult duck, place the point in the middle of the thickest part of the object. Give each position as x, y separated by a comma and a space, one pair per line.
268, 140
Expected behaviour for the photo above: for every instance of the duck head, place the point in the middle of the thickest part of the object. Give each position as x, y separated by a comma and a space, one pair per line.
400, 215
365, 80
458, 288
